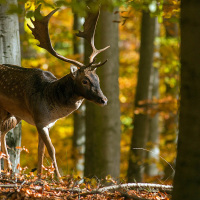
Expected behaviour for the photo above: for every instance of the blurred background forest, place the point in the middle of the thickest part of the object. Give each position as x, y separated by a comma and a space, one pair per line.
159, 105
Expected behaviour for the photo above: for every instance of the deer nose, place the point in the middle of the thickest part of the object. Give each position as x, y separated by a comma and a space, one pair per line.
103, 101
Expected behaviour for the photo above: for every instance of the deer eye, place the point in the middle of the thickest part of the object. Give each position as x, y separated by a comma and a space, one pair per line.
84, 82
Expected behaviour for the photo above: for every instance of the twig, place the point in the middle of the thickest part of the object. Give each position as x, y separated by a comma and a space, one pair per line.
7, 181
159, 156
9, 186
20, 186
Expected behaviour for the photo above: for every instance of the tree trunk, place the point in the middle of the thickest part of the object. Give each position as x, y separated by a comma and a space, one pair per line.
153, 139
10, 54
170, 125
141, 121
79, 115
102, 156
187, 176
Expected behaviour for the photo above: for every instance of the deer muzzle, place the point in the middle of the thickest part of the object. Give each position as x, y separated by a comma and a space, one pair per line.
103, 101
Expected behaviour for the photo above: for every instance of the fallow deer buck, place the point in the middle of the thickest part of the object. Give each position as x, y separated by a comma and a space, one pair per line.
39, 98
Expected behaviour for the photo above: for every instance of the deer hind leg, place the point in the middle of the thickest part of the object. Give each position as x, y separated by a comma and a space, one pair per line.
7, 122
41, 150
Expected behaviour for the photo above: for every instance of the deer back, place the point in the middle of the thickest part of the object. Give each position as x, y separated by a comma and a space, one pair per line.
37, 96
18, 85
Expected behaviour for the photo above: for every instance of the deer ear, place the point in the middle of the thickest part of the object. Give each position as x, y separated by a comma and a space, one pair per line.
74, 71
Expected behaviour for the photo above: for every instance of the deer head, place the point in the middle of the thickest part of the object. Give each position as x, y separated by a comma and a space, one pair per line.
86, 81
87, 85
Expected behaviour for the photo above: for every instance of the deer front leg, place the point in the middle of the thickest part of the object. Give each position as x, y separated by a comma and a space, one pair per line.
41, 150
44, 134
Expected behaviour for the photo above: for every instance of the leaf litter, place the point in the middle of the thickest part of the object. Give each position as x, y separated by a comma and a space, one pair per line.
14, 186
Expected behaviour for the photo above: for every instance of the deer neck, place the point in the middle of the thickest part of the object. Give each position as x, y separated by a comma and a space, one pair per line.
62, 94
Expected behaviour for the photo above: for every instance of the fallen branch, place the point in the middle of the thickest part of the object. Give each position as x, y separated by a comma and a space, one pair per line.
9, 186
106, 191
94, 192
166, 188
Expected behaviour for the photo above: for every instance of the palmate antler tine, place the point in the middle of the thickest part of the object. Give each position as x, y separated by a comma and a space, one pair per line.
41, 33
88, 34
89, 27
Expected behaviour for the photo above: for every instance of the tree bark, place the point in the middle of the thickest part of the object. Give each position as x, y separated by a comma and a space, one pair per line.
102, 156
170, 125
187, 176
10, 54
79, 115
153, 139
141, 121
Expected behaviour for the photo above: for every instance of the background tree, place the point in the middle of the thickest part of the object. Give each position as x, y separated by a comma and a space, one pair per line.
10, 54
170, 123
153, 137
102, 156
141, 120
187, 177
79, 115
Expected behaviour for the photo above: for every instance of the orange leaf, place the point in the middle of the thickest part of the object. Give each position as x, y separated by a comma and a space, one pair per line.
3, 155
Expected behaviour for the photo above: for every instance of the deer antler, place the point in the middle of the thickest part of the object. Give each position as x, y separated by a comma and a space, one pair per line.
41, 33
88, 34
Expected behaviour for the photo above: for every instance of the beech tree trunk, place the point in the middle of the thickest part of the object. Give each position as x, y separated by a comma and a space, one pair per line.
10, 54
153, 139
102, 156
187, 176
171, 33
141, 120
79, 115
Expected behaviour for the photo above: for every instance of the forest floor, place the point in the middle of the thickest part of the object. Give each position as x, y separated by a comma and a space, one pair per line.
27, 186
